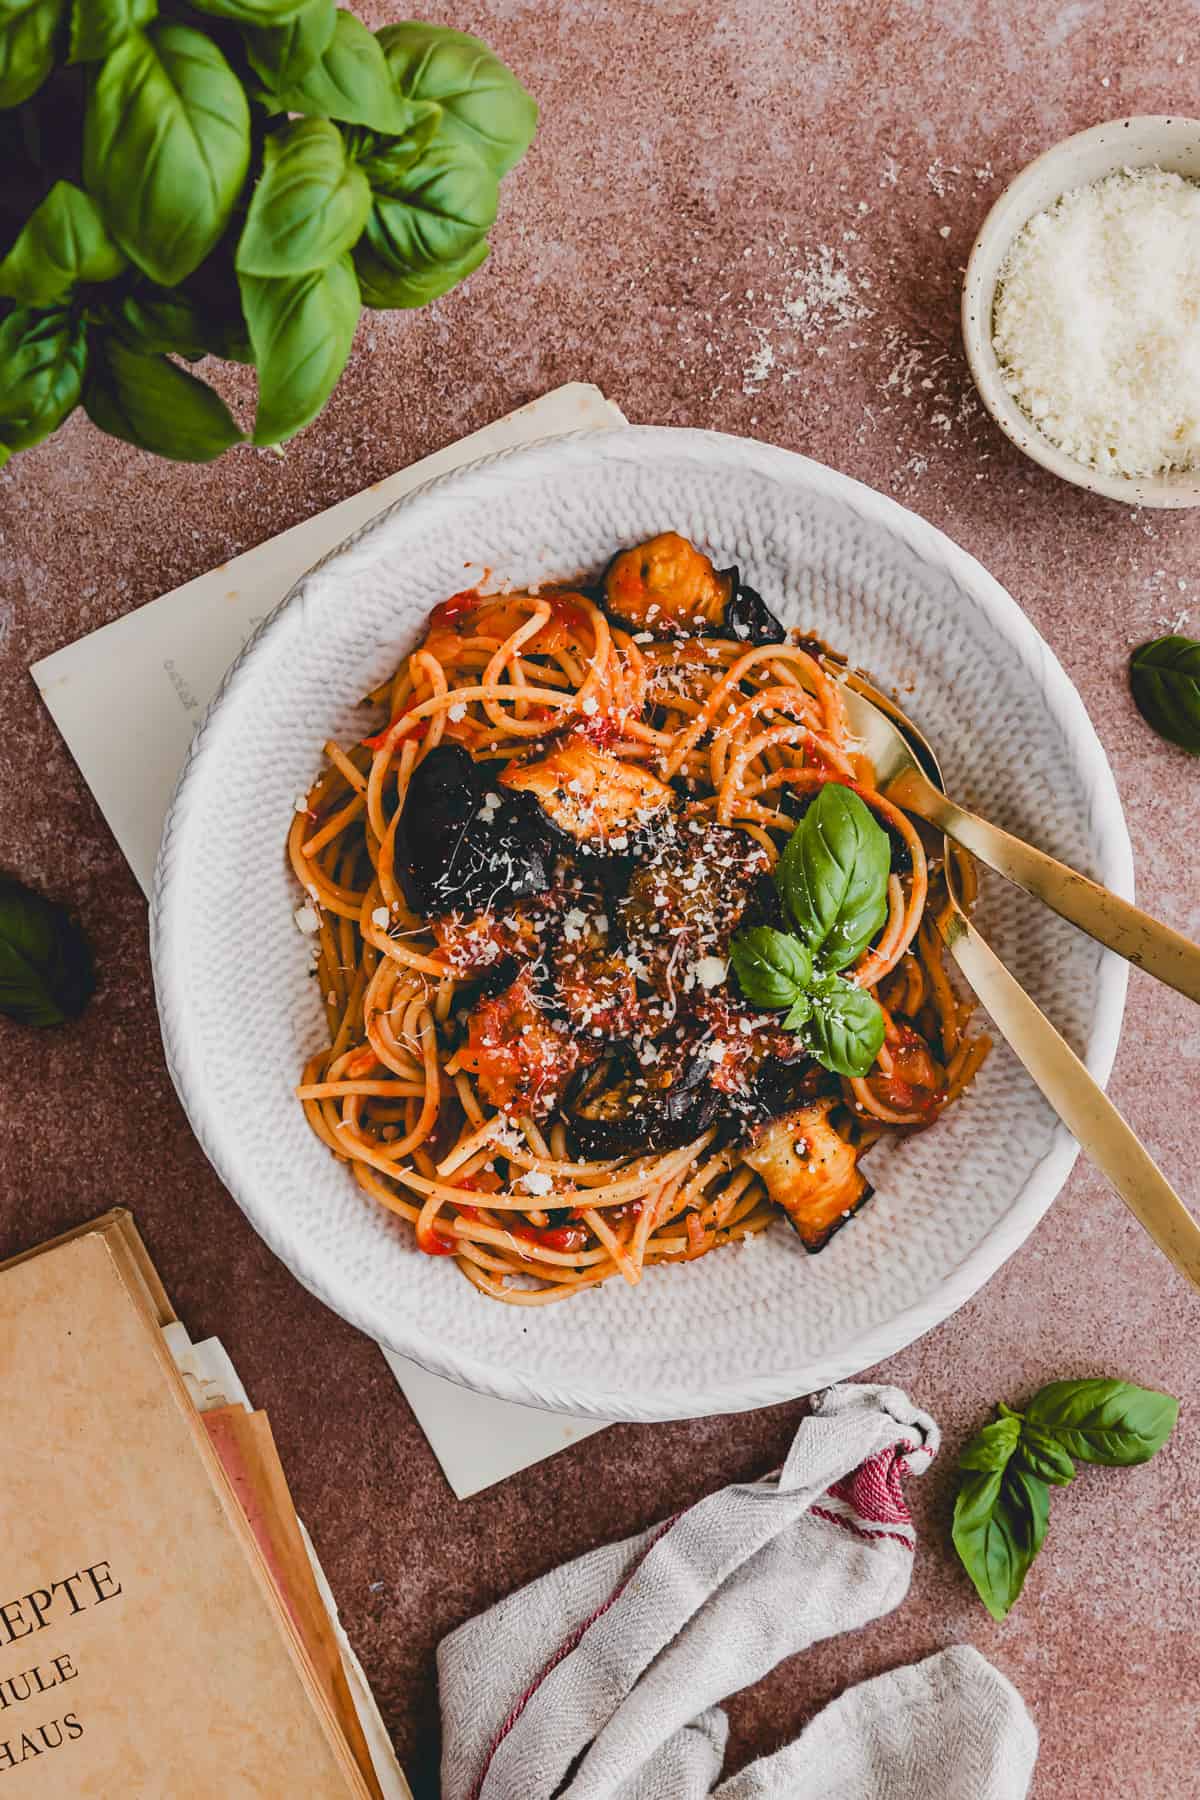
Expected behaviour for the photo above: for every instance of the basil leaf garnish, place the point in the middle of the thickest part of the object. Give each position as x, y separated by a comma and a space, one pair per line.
992, 1446
847, 1026
166, 119
42, 360
282, 54
153, 403
1165, 678
1040, 1454
382, 286
27, 33
1108, 1422
98, 26
773, 968
1000, 1520
832, 877
483, 102
350, 81
309, 205
1011, 1464
45, 964
301, 329
62, 243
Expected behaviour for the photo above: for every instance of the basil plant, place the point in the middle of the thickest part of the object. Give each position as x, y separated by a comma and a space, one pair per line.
232, 178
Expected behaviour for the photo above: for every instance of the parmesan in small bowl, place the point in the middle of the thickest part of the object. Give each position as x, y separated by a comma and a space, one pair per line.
1081, 308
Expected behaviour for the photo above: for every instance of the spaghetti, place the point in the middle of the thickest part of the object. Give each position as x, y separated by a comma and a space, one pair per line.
522, 891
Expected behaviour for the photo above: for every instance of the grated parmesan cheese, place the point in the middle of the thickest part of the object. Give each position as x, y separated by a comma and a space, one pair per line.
1095, 323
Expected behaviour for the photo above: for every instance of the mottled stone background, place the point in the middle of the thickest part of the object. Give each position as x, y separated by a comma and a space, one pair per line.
750, 214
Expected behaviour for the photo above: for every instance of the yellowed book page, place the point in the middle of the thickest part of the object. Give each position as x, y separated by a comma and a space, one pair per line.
246, 1446
143, 1651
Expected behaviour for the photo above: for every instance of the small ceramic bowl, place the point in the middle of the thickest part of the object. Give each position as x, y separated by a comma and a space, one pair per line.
1077, 162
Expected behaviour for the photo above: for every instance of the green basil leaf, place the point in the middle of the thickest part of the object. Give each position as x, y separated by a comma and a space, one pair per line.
309, 205
1165, 678
832, 876
42, 360
27, 32
484, 103
798, 1013
62, 243
1040, 1454
98, 26
772, 967
436, 212
166, 146
282, 54
1109, 1422
847, 1026
158, 323
992, 1446
301, 329
45, 964
385, 287
999, 1526
251, 12
151, 402
351, 81
386, 161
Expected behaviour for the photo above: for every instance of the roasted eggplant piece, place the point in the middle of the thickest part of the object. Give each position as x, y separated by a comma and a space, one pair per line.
614, 1112
781, 1086
810, 1172
593, 798
669, 588
461, 844
686, 899
748, 617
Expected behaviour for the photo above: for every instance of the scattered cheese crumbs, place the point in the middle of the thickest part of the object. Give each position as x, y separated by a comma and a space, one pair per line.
381, 917
943, 231
714, 1052
711, 971
307, 919
301, 803
457, 711
643, 637
573, 924
490, 807
534, 1182
589, 705
1096, 322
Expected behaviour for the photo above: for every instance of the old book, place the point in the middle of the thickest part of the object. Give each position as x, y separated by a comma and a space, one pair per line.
146, 1644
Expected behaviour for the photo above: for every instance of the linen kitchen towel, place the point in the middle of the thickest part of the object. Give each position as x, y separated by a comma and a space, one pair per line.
600, 1681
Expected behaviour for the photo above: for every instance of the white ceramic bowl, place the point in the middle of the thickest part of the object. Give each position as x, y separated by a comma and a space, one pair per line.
742, 1327
1078, 161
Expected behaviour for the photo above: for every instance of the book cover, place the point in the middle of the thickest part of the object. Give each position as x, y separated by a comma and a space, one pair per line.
143, 1650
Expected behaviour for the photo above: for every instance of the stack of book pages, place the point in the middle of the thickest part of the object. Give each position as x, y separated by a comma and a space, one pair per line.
164, 1626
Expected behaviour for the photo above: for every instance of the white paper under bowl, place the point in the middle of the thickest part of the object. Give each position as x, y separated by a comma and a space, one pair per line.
1149, 141
745, 1326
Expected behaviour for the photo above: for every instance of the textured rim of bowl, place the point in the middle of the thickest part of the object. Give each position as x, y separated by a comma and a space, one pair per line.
1141, 141
646, 445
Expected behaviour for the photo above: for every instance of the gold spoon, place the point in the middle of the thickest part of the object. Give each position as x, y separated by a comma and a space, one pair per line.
1152, 946
1080, 1102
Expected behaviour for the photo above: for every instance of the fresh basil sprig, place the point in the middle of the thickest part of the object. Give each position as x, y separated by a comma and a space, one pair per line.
1010, 1465
45, 963
832, 881
165, 202
1165, 678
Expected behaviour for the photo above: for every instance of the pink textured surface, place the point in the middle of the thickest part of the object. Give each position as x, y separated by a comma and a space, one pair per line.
733, 217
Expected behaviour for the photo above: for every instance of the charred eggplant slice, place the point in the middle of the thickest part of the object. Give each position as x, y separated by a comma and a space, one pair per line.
810, 1172
462, 844
747, 616
591, 797
612, 1111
